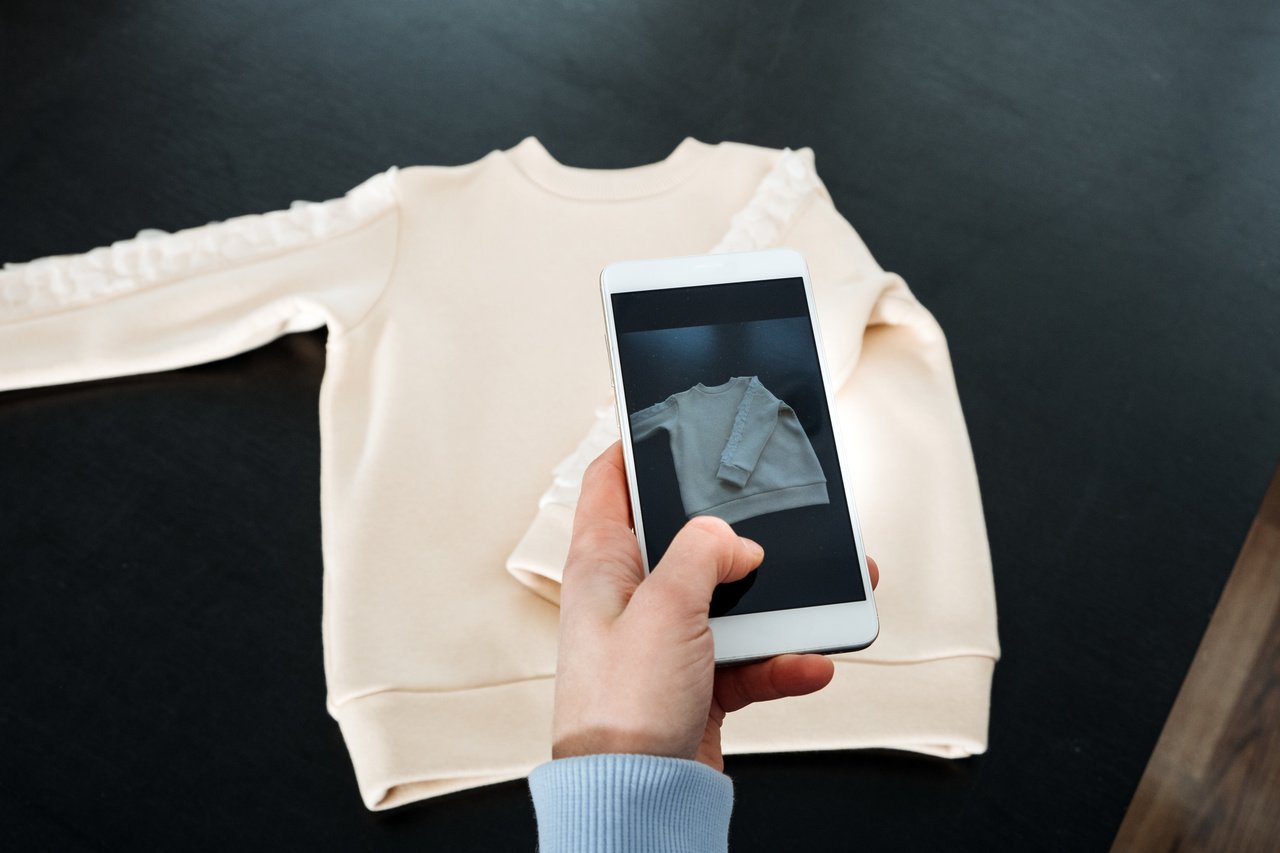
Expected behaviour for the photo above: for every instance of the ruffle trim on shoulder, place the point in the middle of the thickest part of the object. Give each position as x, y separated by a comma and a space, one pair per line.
774, 204
154, 256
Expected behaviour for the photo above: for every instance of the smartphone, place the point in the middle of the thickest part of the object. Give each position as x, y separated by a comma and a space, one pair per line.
725, 409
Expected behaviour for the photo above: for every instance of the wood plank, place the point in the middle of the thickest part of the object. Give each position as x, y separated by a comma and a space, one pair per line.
1213, 780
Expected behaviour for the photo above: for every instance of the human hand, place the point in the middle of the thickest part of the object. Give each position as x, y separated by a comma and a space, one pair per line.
636, 670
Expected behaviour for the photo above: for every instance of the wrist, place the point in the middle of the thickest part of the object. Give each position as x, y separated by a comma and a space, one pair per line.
607, 741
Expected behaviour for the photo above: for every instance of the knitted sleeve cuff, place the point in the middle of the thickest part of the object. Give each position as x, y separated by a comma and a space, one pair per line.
630, 802
730, 473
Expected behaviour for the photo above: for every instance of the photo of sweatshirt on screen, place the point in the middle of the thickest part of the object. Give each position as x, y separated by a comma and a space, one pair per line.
738, 450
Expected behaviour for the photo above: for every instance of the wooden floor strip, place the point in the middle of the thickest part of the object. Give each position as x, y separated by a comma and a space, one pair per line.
1213, 781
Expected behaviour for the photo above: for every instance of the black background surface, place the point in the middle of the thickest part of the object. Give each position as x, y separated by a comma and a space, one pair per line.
1084, 194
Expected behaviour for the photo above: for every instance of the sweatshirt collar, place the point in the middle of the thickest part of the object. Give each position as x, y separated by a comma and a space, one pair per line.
537, 164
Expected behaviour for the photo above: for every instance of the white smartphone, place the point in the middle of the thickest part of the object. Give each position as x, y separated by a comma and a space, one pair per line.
725, 409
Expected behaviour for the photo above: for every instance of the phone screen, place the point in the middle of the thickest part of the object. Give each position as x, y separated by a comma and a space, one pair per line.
729, 418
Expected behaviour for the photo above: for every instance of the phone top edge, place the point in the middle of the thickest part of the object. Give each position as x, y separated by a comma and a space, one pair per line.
702, 270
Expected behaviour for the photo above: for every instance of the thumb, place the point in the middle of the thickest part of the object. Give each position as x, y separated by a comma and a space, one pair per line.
706, 552
762, 681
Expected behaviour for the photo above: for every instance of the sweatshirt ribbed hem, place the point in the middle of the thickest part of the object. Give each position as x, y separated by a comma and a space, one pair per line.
409, 746
638, 803
764, 502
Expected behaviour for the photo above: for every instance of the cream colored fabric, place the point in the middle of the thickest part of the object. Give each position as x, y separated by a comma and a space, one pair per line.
465, 363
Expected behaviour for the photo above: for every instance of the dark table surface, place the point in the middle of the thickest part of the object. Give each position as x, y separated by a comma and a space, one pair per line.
1085, 194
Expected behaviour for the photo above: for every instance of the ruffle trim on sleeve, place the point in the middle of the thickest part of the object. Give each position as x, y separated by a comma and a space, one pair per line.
154, 257
740, 421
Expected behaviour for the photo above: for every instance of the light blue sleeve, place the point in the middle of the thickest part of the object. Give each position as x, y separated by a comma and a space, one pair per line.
615, 802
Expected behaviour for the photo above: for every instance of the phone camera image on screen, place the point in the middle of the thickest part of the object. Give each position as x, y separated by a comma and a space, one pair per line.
728, 417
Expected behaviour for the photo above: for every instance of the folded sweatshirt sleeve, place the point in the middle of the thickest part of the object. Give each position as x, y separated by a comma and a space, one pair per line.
161, 300
752, 427
641, 803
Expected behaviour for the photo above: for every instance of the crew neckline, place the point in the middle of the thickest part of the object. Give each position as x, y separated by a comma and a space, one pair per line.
723, 386
532, 159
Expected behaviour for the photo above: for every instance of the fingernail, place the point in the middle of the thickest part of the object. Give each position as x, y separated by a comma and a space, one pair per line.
752, 546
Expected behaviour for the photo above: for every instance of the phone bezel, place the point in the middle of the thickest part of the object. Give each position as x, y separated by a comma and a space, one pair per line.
846, 626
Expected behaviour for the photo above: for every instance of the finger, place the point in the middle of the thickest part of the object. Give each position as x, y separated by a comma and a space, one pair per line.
874, 571
603, 566
706, 552
785, 675
604, 495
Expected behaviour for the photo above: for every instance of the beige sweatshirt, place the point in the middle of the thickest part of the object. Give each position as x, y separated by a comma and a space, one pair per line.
465, 363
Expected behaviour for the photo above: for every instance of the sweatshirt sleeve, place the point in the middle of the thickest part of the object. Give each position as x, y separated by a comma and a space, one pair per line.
641, 803
646, 422
163, 300
752, 426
